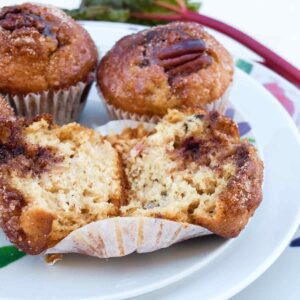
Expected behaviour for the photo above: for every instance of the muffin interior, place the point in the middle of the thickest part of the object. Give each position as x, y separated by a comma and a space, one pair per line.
181, 171
73, 176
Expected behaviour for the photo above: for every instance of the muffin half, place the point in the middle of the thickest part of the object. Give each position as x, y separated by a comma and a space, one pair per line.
194, 169
54, 180
170, 66
47, 61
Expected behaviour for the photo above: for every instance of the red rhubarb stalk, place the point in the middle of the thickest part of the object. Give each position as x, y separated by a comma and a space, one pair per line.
271, 59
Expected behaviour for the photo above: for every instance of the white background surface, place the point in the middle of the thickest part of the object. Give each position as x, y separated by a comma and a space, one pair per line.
276, 24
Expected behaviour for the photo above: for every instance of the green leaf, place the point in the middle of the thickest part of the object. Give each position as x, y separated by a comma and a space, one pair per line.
9, 254
120, 10
99, 13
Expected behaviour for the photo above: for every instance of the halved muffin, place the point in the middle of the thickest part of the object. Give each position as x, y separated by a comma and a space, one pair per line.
54, 180
195, 169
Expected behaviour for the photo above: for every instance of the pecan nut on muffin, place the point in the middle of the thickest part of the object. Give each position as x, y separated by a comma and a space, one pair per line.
47, 61
170, 66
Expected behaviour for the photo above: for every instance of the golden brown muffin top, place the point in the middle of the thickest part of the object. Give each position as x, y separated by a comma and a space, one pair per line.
165, 67
41, 48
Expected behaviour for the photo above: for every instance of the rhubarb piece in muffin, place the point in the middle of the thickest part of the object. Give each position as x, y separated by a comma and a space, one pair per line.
127, 139
54, 180
47, 61
195, 169
169, 66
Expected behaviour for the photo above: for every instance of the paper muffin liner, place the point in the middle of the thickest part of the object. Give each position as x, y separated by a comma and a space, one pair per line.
116, 113
221, 104
64, 105
120, 114
120, 236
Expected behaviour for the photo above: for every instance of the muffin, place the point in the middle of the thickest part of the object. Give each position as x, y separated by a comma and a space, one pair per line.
170, 66
54, 180
47, 62
195, 169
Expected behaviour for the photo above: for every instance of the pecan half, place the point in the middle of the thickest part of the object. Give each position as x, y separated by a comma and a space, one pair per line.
181, 48
192, 66
184, 57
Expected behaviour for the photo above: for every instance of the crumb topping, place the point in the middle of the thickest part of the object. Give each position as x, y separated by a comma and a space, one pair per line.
42, 48
14, 17
18, 155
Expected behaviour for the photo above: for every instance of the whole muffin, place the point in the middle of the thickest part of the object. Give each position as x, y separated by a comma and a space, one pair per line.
47, 61
170, 66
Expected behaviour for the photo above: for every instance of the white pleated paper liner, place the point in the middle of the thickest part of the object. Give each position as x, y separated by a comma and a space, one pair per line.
64, 105
116, 113
120, 236
221, 104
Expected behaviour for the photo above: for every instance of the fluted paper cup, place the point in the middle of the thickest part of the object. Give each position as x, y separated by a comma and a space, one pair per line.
64, 105
116, 113
221, 104
120, 114
120, 236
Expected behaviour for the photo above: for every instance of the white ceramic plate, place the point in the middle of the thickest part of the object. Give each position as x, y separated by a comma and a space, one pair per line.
221, 268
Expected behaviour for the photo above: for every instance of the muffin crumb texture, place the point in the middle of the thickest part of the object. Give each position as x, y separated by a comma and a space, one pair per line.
54, 180
191, 168
195, 169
